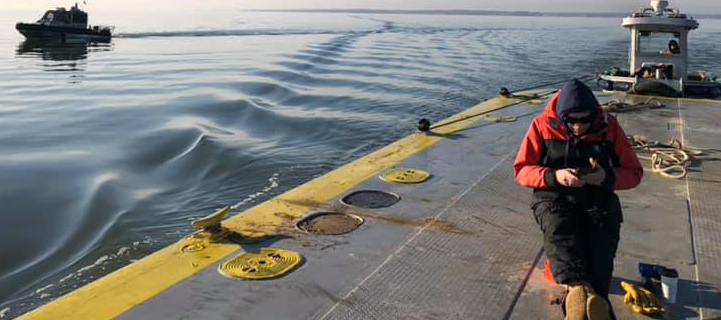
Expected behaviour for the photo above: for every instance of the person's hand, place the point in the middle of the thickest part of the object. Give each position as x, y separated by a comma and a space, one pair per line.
567, 177
596, 176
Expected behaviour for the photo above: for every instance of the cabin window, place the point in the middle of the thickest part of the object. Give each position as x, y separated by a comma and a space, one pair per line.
47, 17
659, 42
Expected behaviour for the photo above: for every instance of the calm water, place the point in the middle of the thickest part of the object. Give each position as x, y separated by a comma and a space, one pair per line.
108, 151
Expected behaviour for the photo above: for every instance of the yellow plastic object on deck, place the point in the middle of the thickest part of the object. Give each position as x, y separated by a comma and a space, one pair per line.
266, 264
641, 300
405, 175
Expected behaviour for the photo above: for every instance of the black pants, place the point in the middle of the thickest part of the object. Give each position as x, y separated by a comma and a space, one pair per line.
580, 240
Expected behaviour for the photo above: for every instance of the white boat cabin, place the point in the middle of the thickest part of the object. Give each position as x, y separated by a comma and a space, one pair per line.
658, 56
659, 41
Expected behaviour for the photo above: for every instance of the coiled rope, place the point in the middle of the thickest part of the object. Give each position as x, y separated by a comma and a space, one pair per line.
620, 106
667, 159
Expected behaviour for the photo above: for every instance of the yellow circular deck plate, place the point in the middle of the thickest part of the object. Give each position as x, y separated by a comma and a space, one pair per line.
405, 175
266, 264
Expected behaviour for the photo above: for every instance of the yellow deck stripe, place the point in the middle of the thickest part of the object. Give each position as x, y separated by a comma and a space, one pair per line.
119, 291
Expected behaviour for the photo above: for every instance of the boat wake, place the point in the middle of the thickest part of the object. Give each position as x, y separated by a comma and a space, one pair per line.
218, 33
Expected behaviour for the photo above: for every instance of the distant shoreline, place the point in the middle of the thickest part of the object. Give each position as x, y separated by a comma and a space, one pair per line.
476, 13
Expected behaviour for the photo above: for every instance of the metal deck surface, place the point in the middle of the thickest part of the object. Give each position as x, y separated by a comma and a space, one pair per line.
464, 244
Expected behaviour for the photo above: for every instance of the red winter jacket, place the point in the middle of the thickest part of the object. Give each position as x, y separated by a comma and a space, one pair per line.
548, 146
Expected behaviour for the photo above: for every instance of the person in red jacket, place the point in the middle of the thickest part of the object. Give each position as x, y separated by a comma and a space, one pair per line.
574, 156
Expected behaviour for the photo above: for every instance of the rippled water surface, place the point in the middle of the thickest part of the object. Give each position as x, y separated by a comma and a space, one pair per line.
107, 151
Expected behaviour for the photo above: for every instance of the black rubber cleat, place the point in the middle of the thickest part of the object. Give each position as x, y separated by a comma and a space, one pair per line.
424, 125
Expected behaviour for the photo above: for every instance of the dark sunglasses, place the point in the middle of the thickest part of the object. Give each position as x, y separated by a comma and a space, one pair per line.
586, 119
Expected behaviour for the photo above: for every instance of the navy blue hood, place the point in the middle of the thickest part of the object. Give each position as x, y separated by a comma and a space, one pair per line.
575, 96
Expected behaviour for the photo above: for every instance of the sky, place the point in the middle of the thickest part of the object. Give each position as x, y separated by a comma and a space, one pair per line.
688, 6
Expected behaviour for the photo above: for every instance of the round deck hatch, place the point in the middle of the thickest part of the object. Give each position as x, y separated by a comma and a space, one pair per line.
329, 223
265, 264
405, 175
371, 199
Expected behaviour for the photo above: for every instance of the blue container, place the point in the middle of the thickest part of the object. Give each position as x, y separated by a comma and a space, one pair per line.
650, 270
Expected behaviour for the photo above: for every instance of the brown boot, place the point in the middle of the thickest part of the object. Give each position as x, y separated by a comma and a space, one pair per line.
597, 308
576, 303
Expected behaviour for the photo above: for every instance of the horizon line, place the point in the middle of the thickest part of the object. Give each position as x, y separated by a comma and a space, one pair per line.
472, 12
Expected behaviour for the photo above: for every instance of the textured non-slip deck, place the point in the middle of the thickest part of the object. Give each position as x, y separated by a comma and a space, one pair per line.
702, 129
443, 275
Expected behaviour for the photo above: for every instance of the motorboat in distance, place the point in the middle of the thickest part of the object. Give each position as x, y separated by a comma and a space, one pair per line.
61, 25
658, 57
